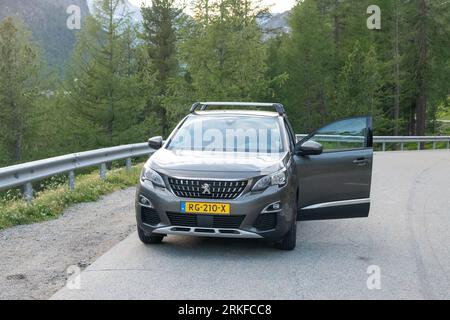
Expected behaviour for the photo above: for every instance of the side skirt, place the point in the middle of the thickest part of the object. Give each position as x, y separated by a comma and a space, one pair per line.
349, 211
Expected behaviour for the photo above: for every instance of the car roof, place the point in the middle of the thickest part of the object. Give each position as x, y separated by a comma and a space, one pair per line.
237, 113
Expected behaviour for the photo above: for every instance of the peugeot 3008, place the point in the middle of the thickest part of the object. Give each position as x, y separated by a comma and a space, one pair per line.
240, 173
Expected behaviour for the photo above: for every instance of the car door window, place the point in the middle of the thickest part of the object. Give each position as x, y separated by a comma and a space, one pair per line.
343, 135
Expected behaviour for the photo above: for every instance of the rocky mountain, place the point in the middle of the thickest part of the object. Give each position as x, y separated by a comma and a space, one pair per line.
47, 20
274, 24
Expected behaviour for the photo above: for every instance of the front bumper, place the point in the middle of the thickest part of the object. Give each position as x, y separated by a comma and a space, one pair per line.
207, 232
248, 206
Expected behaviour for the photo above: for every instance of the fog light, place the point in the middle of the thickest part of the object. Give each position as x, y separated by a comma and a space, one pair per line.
143, 201
273, 207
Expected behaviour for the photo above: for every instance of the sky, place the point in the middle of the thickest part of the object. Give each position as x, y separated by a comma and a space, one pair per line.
279, 5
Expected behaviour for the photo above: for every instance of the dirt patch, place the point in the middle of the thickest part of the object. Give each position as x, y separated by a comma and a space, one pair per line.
34, 258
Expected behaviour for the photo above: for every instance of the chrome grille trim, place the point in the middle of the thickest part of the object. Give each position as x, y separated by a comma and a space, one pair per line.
218, 189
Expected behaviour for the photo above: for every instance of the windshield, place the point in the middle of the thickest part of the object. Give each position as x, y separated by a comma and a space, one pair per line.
229, 134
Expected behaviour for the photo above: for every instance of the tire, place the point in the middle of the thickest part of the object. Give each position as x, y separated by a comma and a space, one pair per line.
289, 241
152, 239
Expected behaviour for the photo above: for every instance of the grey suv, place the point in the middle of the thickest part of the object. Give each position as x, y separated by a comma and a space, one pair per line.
229, 171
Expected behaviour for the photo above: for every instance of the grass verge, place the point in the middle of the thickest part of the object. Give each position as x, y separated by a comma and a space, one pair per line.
49, 204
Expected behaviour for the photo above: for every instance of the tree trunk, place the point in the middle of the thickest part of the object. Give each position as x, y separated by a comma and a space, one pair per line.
397, 71
112, 72
321, 103
163, 118
421, 104
412, 119
337, 27
421, 98
18, 146
17, 126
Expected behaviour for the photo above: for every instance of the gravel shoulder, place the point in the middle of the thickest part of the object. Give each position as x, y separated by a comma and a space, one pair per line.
34, 258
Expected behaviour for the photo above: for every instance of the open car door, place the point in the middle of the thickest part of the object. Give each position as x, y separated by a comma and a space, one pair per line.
335, 184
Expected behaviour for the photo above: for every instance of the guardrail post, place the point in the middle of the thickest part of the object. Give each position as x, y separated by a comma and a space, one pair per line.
418, 146
434, 145
103, 171
71, 180
128, 164
28, 192
402, 146
448, 144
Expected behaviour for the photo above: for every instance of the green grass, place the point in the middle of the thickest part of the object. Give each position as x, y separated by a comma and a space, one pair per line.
49, 204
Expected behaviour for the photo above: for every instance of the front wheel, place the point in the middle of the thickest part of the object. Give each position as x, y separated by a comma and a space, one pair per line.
289, 241
152, 239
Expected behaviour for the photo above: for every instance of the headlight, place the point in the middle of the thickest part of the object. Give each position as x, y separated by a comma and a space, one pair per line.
152, 176
274, 179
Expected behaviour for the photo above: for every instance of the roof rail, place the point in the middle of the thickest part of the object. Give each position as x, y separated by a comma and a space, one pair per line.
204, 105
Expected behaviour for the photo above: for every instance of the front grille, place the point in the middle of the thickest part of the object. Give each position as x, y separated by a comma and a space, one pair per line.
205, 221
150, 216
205, 189
266, 222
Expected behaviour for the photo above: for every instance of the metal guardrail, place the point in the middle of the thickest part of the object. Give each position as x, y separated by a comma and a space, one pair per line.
27, 173
412, 139
384, 141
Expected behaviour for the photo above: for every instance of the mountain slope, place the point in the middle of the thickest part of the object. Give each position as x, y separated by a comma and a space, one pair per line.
274, 24
47, 21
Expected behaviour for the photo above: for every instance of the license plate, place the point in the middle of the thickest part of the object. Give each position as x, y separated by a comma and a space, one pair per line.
205, 208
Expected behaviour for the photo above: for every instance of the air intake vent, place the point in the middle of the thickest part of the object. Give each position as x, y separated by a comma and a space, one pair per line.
150, 216
266, 222
192, 220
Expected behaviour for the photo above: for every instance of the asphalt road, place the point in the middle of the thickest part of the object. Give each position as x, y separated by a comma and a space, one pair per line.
407, 238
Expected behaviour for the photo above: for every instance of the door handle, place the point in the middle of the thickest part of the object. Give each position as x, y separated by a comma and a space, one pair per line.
361, 161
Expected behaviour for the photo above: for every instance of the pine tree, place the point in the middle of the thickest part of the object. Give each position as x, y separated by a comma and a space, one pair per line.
19, 71
101, 78
410, 54
309, 61
160, 24
358, 84
423, 43
223, 52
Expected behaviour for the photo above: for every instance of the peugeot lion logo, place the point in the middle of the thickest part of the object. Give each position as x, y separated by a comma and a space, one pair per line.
206, 188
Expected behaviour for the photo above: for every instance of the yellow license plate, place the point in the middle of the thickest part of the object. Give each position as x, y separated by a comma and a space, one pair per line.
205, 208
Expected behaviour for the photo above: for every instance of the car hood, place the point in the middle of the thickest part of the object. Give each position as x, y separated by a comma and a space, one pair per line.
205, 164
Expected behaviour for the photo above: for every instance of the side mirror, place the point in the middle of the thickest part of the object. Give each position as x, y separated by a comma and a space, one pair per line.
309, 148
155, 143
